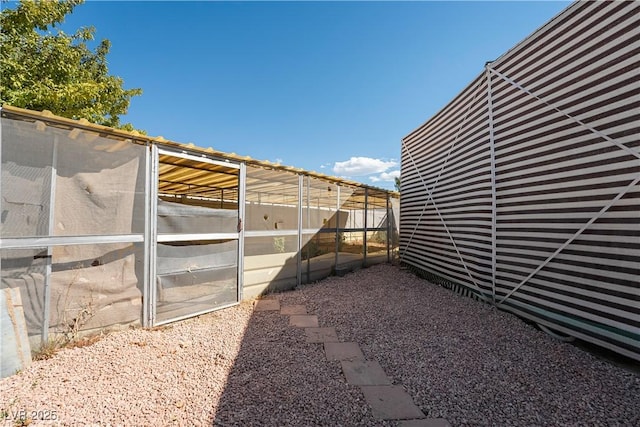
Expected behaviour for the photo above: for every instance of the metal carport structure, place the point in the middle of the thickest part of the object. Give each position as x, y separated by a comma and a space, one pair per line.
104, 228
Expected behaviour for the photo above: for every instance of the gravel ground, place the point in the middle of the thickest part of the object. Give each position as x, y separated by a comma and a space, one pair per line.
459, 359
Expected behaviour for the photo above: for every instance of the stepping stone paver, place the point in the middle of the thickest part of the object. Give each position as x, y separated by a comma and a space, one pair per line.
304, 320
267, 305
426, 422
364, 372
293, 309
321, 335
387, 402
343, 351
391, 402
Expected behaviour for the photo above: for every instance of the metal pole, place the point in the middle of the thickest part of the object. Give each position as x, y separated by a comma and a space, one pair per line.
299, 252
492, 151
242, 190
153, 241
366, 217
388, 231
47, 275
337, 227
146, 278
309, 226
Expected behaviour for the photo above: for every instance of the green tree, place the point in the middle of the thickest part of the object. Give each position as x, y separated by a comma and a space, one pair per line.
396, 183
42, 68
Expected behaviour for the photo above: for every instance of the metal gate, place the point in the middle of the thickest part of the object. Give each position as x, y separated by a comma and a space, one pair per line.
196, 216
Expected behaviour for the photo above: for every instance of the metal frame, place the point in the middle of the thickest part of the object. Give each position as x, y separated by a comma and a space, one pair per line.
366, 221
488, 73
444, 164
162, 238
147, 318
494, 207
308, 222
299, 254
50, 227
270, 233
48, 242
201, 158
388, 229
149, 238
190, 315
179, 237
594, 218
337, 260
242, 192
569, 116
90, 239
152, 245
473, 283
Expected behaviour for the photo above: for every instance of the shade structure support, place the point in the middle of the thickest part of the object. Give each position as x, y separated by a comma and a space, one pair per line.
366, 224
388, 230
431, 189
569, 116
299, 242
152, 245
494, 209
241, 228
337, 245
147, 316
444, 164
593, 219
51, 225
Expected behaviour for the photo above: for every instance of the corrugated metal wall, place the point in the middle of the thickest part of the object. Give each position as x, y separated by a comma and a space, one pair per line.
524, 190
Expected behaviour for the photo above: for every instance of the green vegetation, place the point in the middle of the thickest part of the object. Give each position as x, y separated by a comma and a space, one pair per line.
42, 68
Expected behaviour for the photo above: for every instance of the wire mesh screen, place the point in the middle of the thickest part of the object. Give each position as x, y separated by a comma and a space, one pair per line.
25, 180
71, 184
195, 277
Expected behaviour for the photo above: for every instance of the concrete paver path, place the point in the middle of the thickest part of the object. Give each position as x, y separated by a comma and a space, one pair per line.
387, 401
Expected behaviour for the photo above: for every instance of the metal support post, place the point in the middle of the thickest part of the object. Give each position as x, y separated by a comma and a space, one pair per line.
48, 268
152, 244
336, 260
242, 191
299, 251
366, 225
146, 278
492, 151
388, 230
309, 226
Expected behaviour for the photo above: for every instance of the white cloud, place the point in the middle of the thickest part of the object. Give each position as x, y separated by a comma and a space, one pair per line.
359, 166
386, 176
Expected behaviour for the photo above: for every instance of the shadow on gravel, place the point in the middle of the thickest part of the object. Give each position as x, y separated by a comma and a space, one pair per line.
280, 380
459, 359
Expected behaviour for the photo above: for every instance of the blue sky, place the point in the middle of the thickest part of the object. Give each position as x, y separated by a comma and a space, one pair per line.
325, 86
